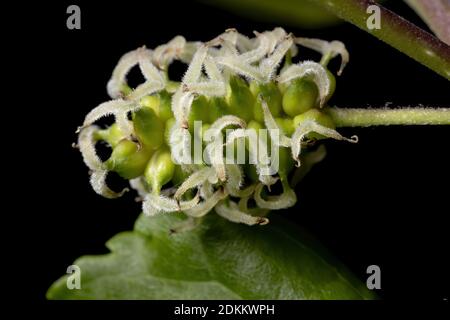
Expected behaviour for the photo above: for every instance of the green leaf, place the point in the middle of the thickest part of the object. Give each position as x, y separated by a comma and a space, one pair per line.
216, 260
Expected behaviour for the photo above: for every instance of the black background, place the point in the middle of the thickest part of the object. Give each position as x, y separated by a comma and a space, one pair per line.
382, 201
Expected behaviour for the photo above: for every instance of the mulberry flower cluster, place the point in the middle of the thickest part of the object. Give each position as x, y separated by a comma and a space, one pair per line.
235, 87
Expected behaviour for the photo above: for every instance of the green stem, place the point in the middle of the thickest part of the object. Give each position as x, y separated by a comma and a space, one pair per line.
383, 117
396, 31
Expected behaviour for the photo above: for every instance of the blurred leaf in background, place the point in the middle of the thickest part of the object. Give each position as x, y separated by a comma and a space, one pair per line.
436, 14
298, 13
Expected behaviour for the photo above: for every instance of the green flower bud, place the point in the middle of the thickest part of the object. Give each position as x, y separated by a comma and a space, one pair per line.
217, 108
300, 96
128, 160
205, 128
112, 135
165, 106
179, 176
240, 99
286, 125
254, 88
199, 112
149, 128
318, 116
283, 87
159, 170
151, 102
271, 94
172, 86
255, 125
160, 103
168, 127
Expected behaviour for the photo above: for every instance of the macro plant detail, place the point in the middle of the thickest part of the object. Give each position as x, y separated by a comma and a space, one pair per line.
234, 88
210, 136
